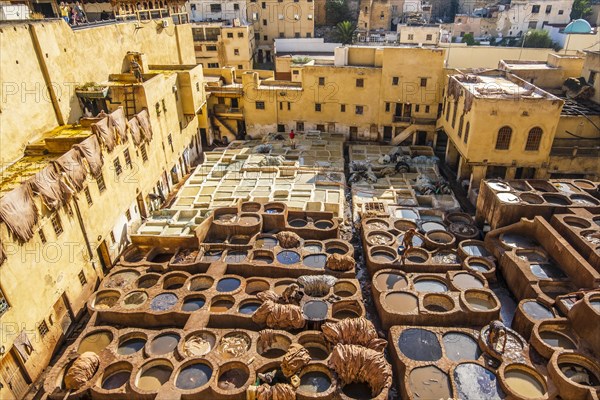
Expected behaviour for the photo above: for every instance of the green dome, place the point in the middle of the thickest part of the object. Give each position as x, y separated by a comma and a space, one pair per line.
578, 26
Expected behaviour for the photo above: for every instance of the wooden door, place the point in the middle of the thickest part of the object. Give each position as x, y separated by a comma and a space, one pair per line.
14, 376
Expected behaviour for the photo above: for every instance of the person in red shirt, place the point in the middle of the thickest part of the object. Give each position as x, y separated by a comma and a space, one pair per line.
292, 136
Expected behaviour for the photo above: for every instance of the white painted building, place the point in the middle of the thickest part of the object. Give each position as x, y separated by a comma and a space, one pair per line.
521, 16
231, 11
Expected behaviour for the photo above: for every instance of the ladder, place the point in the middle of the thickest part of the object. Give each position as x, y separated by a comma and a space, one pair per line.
129, 101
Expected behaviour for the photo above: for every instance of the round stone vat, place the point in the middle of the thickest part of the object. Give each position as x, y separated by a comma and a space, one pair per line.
380, 238
499, 186
430, 226
552, 335
473, 248
134, 299
479, 300
239, 239
233, 376
248, 219
254, 286
288, 257
315, 310
298, 223
430, 284
315, 381
198, 344
105, 299
517, 241
160, 256
280, 286
584, 200
438, 239
115, 376
463, 281
482, 265
147, 281
523, 382
193, 303
323, 224
574, 374
315, 261
531, 198
194, 375
556, 199
577, 222
164, 302
211, 255
236, 256
400, 302
382, 254
474, 381
584, 184
200, 283
420, 345
221, 304
521, 186
174, 281
164, 343
336, 247
262, 257
274, 208
265, 242
95, 341
122, 279
458, 217
251, 207
429, 382
316, 345
131, 343
389, 280
438, 303
416, 256
404, 225
344, 289
247, 307
134, 254
234, 345
460, 346
346, 309
507, 197
153, 375
377, 224
228, 284
312, 247
273, 346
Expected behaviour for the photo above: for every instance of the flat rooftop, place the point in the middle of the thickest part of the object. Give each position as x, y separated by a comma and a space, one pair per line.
498, 86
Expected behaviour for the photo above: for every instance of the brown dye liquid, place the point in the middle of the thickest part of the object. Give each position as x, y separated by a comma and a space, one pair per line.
153, 378
164, 344
524, 384
389, 281
401, 302
466, 281
345, 314
429, 383
479, 303
233, 379
344, 293
221, 306
95, 342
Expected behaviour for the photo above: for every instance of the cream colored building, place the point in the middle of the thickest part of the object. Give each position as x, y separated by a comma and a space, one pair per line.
391, 94
279, 19
218, 45
498, 125
47, 276
425, 34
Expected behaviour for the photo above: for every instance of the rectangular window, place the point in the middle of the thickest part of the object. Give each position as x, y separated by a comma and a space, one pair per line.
42, 236
592, 77
427, 109
289, 106
321, 127
429, 38
257, 36
211, 48
100, 182
308, 35
417, 108
240, 66
281, 35
127, 158
170, 141
88, 196
318, 107
117, 165
423, 82
388, 107
411, 37
128, 215
215, 7
236, 52
236, 7
561, 12
359, 110
213, 65
240, 34
82, 278
230, 35
353, 131
260, 105
264, 21
548, 9
300, 126
395, 80
43, 328
535, 9
112, 237
265, 37
4, 306
321, 81
143, 151
360, 82
342, 108
56, 224
297, 35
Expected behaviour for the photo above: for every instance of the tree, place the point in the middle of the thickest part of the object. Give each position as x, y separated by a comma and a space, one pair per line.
468, 39
344, 32
337, 11
537, 38
580, 9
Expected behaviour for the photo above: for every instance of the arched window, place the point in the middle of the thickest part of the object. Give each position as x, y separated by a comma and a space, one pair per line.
503, 140
533, 139
467, 129
460, 125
